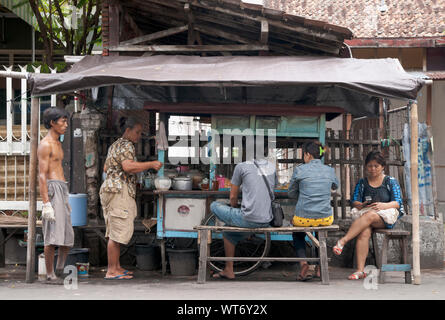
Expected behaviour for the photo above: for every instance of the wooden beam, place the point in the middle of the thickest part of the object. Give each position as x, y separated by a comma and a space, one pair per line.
154, 36
240, 108
222, 34
415, 194
114, 25
187, 48
303, 30
264, 32
31, 249
191, 28
429, 105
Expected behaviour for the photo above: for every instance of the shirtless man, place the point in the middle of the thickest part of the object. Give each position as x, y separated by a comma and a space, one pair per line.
56, 212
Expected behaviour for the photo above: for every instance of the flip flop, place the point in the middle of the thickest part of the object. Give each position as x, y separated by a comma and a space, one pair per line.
338, 249
220, 276
305, 278
118, 277
357, 275
57, 281
128, 273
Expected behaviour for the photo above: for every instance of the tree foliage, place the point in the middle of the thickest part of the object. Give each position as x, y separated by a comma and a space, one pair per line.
69, 25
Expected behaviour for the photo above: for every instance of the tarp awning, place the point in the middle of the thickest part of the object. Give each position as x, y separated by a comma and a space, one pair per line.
374, 77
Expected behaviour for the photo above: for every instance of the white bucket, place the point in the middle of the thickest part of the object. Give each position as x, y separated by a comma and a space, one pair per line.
42, 267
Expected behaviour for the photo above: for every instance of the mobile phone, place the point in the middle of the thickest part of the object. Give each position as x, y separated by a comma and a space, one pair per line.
368, 200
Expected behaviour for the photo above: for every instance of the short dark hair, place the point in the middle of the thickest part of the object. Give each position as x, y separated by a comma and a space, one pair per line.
53, 114
314, 148
129, 122
377, 156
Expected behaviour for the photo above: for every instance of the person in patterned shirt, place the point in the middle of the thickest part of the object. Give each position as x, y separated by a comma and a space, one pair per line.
118, 192
377, 203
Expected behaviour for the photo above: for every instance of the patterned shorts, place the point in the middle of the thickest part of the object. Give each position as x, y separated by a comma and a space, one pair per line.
305, 222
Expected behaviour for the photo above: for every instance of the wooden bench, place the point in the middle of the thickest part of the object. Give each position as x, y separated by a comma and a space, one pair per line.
205, 238
381, 256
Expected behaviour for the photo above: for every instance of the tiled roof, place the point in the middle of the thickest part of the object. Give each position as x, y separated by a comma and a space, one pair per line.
436, 75
407, 18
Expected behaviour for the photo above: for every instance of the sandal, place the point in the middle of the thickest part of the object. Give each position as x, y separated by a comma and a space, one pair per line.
357, 275
338, 249
305, 278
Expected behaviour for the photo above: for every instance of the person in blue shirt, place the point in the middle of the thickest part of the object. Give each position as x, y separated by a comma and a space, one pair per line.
311, 184
377, 203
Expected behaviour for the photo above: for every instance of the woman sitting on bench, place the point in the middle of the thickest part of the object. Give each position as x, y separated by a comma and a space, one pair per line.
311, 184
377, 203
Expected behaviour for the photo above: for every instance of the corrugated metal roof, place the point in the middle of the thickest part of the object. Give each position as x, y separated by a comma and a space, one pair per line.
21, 9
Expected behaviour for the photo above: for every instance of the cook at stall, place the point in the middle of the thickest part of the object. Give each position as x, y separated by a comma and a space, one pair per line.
118, 192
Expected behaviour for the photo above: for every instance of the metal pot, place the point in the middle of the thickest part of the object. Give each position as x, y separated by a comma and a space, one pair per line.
182, 183
163, 183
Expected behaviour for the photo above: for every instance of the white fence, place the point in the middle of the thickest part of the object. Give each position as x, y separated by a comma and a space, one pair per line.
15, 146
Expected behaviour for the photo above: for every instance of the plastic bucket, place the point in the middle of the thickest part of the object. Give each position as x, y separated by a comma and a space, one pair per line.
78, 203
182, 261
147, 257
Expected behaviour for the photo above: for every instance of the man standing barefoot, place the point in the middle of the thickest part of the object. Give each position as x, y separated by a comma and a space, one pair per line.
56, 211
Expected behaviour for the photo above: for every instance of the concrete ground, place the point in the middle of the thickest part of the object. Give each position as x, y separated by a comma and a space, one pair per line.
275, 283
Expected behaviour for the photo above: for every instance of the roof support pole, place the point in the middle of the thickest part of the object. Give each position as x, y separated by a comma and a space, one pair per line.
415, 193
31, 251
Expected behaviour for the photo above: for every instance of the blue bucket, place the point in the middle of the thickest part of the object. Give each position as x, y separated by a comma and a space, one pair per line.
78, 203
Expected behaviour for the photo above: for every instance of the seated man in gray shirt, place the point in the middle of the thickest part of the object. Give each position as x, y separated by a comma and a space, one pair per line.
255, 211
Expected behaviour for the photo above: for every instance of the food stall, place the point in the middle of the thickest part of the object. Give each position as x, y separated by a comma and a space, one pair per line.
291, 95
181, 207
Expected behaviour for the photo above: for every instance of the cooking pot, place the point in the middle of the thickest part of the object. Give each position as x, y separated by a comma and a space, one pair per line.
163, 183
182, 183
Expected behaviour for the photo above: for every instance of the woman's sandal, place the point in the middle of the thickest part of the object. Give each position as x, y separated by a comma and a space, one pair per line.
338, 249
357, 275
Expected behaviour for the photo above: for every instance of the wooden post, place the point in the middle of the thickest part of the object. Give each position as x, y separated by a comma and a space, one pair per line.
31, 251
415, 193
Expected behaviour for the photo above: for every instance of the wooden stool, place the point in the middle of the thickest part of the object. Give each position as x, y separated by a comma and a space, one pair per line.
382, 255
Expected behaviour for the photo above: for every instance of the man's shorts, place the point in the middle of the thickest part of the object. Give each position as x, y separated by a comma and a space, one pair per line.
119, 211
234, 217
59, 232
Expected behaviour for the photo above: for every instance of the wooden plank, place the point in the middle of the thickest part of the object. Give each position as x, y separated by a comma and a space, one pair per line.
415, 193
392, 232
154, 36
247, 259
322, 236
264, 37
313, 239
384, 257
404, 246
187, 48
203, 255
395, 267
225, 35
271, 229
30, 255
376, 250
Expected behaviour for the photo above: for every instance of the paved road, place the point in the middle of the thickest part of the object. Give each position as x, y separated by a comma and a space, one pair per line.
276, 283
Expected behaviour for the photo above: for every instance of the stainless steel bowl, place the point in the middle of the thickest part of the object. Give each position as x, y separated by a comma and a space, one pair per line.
182, 183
